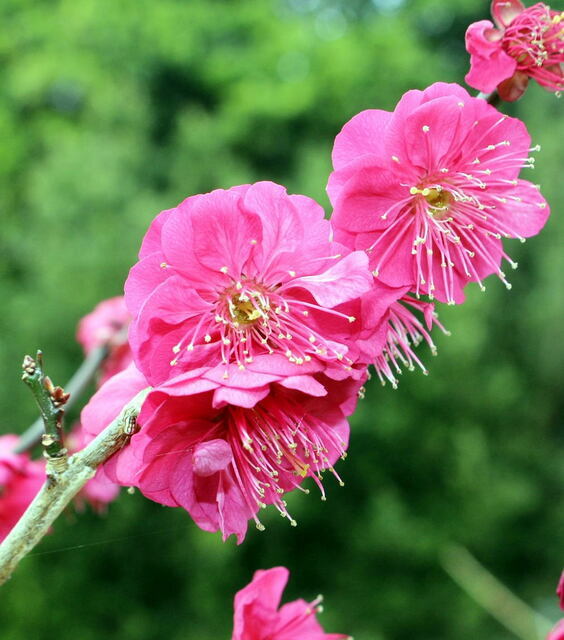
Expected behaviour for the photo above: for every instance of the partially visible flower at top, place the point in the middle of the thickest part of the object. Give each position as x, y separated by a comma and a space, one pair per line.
557, 632
525, 43
99, 491
430, 190
258, 616
224, 452
20, 480
229, 276
107, 326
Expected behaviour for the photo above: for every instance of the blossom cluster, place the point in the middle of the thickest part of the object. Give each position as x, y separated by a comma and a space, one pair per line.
256, 321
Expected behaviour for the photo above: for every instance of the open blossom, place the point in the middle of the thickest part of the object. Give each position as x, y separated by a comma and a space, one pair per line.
232, 275
525, 43
430, 190
107, 326
221, 452
20, 480
258, 615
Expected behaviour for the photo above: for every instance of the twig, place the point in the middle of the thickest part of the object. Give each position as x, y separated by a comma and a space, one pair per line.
54, 497
492, 595
491, 98
51, 401
75, 387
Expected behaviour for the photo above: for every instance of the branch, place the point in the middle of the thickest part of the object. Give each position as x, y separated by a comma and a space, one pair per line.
491, 98
75, 387
50, 400
492, 595
54, 497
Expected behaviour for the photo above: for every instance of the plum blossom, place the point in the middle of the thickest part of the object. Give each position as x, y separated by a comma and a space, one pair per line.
20, 480
258, 615
524, 43
107, 326
430, 190
229, 276
224, 452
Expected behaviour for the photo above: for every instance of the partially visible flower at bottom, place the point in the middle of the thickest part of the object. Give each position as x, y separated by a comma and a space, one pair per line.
557, 632
257, 616
560, 591
222, 453
20, 480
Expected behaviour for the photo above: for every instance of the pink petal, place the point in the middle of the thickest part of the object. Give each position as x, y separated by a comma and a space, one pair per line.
144, 277
342, 282
505, 11
489, 64
211, 456
370, 193
152, 240
360, 136
305, 384
239, 397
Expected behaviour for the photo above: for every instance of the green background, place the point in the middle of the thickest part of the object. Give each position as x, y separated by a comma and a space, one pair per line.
111, 110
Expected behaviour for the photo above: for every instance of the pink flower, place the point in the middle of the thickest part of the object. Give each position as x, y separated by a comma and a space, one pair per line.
221, 452
99, 491
257, 616
560, 591
232, 275
557, 632
430, 190
20, 480
526, 43
107, 325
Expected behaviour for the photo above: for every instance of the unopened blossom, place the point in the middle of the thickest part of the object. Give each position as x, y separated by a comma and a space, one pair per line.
224, 452
99, 491
430, 190
259, 616
524, 43
557, 632
107, 326
232, 275
20, 480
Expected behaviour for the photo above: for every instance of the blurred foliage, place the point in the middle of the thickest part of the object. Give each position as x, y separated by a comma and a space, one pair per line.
111, 111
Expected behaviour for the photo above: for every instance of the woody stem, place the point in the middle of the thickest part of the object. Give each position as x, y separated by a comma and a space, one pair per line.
53, 497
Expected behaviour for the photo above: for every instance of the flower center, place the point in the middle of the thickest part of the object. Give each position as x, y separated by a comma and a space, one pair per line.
247, 308
438, 199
